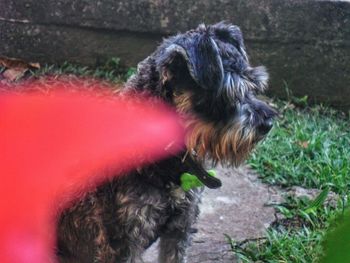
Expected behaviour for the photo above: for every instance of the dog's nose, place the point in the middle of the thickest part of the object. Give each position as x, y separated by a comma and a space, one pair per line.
265, 127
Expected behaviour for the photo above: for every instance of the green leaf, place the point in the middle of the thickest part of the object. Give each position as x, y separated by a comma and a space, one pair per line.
337, 242
318, 201
189, 181
285, 211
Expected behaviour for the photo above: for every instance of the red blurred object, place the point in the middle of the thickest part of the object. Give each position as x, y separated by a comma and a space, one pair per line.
55, 147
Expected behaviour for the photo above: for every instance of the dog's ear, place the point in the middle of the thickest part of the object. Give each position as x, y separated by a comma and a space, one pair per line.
258, 76
200, 54
232, 34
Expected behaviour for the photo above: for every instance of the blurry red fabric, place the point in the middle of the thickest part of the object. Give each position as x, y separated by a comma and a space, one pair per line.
55, 147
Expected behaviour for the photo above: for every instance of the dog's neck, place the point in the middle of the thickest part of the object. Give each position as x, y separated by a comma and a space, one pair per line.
174, 167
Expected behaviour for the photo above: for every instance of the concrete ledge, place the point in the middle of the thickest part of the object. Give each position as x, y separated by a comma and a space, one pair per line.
305, 44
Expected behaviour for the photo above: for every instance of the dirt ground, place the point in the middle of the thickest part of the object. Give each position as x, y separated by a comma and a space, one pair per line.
240, 209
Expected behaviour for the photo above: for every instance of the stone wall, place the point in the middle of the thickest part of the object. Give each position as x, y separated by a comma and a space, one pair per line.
305, 44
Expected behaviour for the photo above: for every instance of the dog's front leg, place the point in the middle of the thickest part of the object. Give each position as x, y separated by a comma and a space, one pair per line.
173, 247
176, 236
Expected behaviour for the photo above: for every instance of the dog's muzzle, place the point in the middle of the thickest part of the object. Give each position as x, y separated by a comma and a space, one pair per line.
265, 127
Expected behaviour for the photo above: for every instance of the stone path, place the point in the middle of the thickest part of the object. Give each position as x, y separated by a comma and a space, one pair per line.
238, 209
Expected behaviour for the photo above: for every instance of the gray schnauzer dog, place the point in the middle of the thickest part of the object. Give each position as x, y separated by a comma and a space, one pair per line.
205, 74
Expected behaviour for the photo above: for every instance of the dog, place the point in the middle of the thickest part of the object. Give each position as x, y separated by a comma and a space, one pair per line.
206, 76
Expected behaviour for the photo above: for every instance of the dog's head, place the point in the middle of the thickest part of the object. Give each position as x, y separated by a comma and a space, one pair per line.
206, 74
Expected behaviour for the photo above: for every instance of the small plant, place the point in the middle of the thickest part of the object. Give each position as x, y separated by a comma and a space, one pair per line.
299, 212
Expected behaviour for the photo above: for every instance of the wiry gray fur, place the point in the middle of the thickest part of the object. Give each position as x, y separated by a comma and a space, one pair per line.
205, 74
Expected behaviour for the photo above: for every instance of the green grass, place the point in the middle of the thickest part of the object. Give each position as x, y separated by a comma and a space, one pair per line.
281, 246
298, 237
111, 71
308, 147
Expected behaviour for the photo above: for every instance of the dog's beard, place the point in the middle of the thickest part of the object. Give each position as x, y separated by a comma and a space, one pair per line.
226, 144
